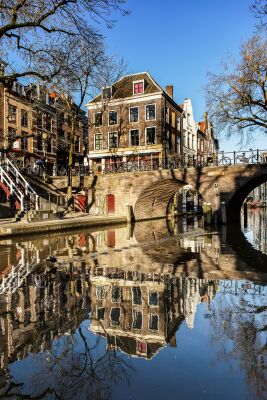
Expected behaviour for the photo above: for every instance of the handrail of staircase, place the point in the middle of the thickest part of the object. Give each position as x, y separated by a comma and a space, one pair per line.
5, 178
20, 179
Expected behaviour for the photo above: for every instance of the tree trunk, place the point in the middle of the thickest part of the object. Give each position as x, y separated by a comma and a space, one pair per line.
70, 165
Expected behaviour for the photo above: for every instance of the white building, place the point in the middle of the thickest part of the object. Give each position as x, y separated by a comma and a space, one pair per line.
189, 134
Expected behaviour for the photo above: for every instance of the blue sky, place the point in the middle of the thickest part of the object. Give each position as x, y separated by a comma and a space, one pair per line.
178, 42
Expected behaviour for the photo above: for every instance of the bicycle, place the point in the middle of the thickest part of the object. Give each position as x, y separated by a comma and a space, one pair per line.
224, 160
252, 158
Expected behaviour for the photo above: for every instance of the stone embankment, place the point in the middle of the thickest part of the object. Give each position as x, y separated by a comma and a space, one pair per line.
70, 222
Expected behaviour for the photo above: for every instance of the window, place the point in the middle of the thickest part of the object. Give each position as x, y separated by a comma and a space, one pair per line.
24, 142
173, 119
112, 118
39, 141
188, 141
138, 87
98, 119
134, 135
98, 141
113, 140
39, 120
167, 115
153, 299
11, 135
168, 142
77, 145
100, 314
115, 316
137, 319
178, 144
48, 122
151, 135
107, 92
134, 114
116, 294
178, 124
137, 299
12, 113
150, 112
24, 118
153, 322
100, 292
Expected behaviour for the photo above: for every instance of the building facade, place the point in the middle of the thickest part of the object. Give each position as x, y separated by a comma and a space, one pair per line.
35, 125
134, 121
189, 136
207, 144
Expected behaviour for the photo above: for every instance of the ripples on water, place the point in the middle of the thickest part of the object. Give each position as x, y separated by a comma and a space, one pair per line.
158, 310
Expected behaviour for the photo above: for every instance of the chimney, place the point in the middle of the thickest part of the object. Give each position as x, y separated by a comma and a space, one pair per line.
169, 90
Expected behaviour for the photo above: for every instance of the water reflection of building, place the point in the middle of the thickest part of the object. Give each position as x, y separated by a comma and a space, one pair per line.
139, 312
47, 305
256, 223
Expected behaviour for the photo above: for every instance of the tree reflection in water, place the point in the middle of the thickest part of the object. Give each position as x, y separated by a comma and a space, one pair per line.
238, 330
140, 290
75, 368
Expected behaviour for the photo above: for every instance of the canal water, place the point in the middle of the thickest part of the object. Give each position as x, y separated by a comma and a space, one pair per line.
159, 310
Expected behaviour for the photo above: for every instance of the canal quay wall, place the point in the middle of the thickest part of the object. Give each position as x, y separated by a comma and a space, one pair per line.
71, 223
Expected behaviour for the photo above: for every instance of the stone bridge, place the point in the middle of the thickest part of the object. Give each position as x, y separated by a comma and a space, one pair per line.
149, 193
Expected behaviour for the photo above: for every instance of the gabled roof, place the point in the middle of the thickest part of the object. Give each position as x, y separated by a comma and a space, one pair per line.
202, 126
123, 88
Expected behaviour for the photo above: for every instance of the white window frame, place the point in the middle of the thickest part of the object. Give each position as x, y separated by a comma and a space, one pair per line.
134, 82
108, 117
97, 308
148, 322
153, 305
148, 127
110, 316
152, 104
136, 304
119, 300
134, 122
117, 140
140, 311
98, 112
167, 113
94, 141
130, 139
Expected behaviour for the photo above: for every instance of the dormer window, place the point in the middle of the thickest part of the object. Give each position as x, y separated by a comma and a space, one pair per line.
107, 92
138, 87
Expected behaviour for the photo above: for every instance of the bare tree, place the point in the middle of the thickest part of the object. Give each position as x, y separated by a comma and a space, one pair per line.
30, 28
84, 67
237, 97
259, 9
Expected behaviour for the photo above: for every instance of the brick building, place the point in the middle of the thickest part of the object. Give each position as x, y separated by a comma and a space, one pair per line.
207, 144
34, 125
134, 121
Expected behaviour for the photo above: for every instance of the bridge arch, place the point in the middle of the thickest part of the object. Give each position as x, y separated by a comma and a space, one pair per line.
236, 201
154, 200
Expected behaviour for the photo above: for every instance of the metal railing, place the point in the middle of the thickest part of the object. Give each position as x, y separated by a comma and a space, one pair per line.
186, 161
20, 187
12, 187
